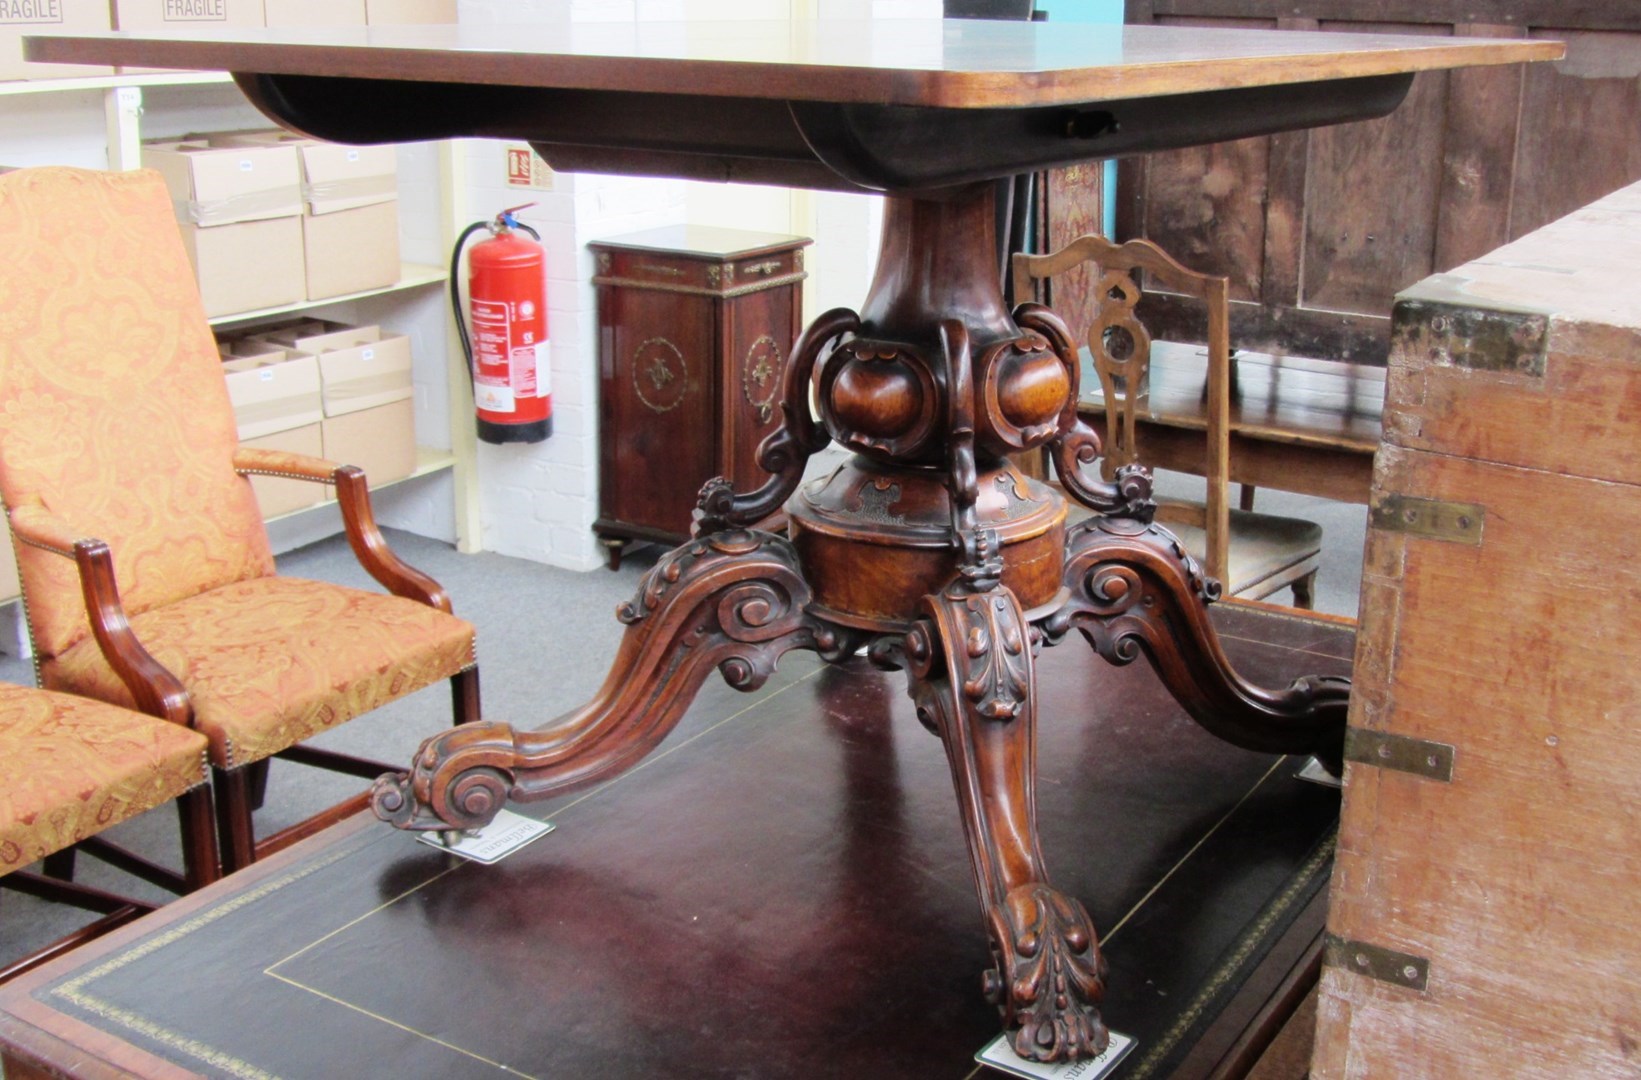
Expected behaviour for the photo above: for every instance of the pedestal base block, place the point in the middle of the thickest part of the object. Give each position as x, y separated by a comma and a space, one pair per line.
875, 539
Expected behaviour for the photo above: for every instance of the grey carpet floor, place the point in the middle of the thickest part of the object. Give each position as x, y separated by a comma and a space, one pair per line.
545, 640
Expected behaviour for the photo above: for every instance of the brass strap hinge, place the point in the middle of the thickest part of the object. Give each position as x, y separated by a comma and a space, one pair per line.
1431, 519
1375, 961
1431, 760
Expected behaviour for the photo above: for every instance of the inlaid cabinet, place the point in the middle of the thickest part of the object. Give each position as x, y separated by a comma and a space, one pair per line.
695, 327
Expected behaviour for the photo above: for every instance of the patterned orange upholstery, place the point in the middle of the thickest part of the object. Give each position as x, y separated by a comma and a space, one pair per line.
115, 424
271, 662
113, 410
70, 768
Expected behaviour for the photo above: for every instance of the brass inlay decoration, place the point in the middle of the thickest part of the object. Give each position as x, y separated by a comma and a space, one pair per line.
761, 376
1431, 760
1431, 519
658, 268
763, 269
727, 291
76, 990
1376, 962
603, 262
714, 273
659, 375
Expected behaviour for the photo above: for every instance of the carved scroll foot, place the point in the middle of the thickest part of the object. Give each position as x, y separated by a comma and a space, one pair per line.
1135, 590
735, 601
969, 661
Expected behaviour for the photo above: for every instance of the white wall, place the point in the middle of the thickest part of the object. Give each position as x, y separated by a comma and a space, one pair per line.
539, 502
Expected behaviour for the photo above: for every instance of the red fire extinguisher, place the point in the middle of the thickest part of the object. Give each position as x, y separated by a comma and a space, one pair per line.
507, 351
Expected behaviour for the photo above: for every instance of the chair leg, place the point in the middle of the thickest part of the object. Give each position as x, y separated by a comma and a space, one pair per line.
1304, 592
464, 695
231, 789
256, 778
199, 838
60, 864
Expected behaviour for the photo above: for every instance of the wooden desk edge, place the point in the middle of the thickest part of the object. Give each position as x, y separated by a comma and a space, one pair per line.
358, 56
35, 1035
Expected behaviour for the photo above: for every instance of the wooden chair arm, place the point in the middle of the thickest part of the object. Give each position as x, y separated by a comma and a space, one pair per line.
370, 547
253, 462
155, 689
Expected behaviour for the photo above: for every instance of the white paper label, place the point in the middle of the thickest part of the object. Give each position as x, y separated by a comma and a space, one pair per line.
503, 836
999, 1055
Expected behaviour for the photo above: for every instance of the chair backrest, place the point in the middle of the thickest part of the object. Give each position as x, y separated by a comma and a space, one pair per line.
1121, 350
114, 415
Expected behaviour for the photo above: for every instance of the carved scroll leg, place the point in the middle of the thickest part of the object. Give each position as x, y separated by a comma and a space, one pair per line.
1134, 589
735, 601
970, 668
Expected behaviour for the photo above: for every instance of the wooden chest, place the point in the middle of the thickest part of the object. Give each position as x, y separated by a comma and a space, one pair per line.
1485, 900
695, 327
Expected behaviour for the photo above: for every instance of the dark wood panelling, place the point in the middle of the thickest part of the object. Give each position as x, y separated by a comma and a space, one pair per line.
1581, 126
1371, 204
1473, 212
1592, 14
1075, 200
1473, 158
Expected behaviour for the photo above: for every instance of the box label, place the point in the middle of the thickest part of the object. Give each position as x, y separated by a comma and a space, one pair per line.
30, 12
196, 11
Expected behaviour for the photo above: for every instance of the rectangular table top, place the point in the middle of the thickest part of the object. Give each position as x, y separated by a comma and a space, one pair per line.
930, 62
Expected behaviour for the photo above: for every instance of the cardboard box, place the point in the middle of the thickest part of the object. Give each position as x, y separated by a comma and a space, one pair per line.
183, 15
360, 367
380, 440
238, 208
314, 12
391, 12
247, 265
273, 392
48, 17
219, 185
334, 176
351, 251
350, 194
275, 494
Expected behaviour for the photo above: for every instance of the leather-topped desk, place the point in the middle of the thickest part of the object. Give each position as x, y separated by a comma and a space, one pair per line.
780, 892
927, 548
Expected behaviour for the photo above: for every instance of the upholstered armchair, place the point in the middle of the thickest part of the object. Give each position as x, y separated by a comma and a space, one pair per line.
146, 570
71, 768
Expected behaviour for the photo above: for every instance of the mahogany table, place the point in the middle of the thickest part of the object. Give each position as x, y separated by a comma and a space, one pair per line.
927, 548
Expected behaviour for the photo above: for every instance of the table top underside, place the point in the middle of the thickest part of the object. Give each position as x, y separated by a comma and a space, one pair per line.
876, 105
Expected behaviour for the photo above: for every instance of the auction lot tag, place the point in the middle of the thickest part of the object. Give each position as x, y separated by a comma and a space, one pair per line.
999, 1055
503, 836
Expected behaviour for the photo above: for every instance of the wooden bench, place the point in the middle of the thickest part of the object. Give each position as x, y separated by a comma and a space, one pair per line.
1297, 424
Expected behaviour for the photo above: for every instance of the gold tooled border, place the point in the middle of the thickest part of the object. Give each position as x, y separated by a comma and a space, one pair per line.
75, 990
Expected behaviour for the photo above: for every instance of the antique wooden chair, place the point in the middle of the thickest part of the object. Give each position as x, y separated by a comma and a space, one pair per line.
1254, 555
70, 768
146, 571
